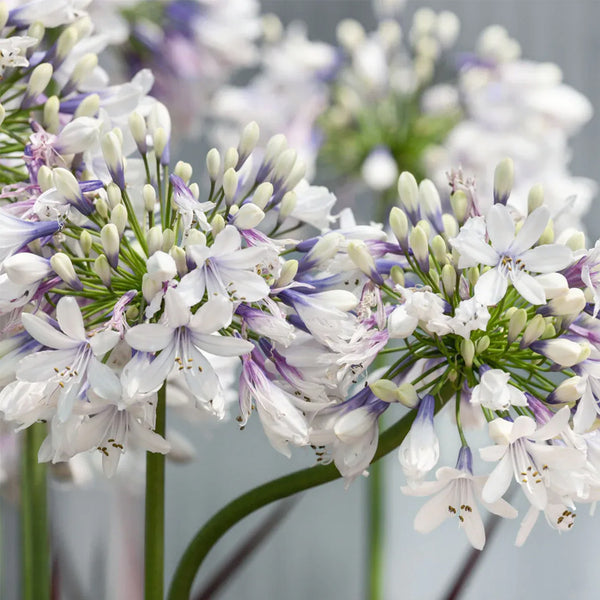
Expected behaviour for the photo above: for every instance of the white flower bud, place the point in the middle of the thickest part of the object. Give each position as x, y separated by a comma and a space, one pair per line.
88, 107
85, 241
184, 170
570, 390
230, 184
230, 159
359, 254
161, 267
101, 207
25, 268
85, 65
533, 331
50, 116
535, 198
516, 324
195, 190
168, 239
102, 269
161, 141
288, 272
571, 302
45, 178
111, 241
284, 165
149, 195
350, 33
113, 156
547, 236
450, 225
178, 255
296, 174
217, 224
272, 28
248, 140
500, 430
118, 216
431, 205
482, 344
564, 352
449, 279
150, 287
213, 164
385, 390
504, 177
263, 194
473, 275
65, 43
154, 239
418, 244
549, 332
3, 14
447, 28
408, 190
113, 193
63, 267
460, 205
38, 81
275, 146
439, 250
36, 30
467, 351
137, 126
577, 241
248, 216
399, 225
66, 184
407, 395
194, 237
287, 205
397, 275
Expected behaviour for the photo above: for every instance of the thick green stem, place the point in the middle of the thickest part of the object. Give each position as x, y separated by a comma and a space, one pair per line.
34, 518
375, 487
154, 547
264, 494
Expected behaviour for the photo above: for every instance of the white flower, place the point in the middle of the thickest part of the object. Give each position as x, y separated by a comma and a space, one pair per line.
456, 491
509, 255
494, 391
16, 233
520, 454
12, 51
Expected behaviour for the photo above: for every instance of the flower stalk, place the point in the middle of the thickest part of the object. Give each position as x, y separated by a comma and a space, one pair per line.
34, 518
155, 511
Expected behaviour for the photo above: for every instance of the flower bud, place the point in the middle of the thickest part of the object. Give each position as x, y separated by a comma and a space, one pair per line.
554, 284
184, 170
516, 324
450, 225
154, 239
161, 267
65, 43
397, 275
482, 344
168, 239
84, 66
350, 33
561, 351
287, 274
533, 331
213, 163
359, 254
88, 107
217, 224
473, 275
150, 287
161, 145
296, 174
85, 241
439, 250
263, 194
248, 141
118, 216
25, 268
102, 269
45, 178
149, 195
194, 237
408, 190
425, 226
569, 390
399, 225
137, 126
549, 332
418, 244
230, 184
449, 279
195, 190
38, 81
109, 236
407, 395
132, 313
178, 255
430, 203
275, 146
535, 199
385, 390
460, 205
36, 30
577, 241
63, 267
101, 207
467, 351
571, 302
283, 166
113, 156
3, 14
287, 205
113, 193
547, 236
504, 177
248, 216
50, 116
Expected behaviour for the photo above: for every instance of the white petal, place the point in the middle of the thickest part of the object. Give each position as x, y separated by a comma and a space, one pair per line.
69, 318
44, 333
176, 311
527, 525
498, 481
147, 439
500, 228
215, 314
222, 345
528, 287
434, 512
104, 381
547, 258
532, 230
491, 287
556, 425
149, 337
104, 341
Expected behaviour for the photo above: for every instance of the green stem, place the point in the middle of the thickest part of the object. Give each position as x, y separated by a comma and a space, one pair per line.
155, 511
375, 532
34, 518
264, 494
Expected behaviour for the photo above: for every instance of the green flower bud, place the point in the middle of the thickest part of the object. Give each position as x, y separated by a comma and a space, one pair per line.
102, 269
397, 275
516, 324
85, 241
385, 390
213, 164
467, 351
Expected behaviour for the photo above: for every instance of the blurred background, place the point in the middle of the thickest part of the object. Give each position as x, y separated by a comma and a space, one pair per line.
319, 551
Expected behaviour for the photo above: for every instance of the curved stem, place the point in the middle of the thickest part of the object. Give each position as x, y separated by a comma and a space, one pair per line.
34, 518
155, 511
375, 484
264, 494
